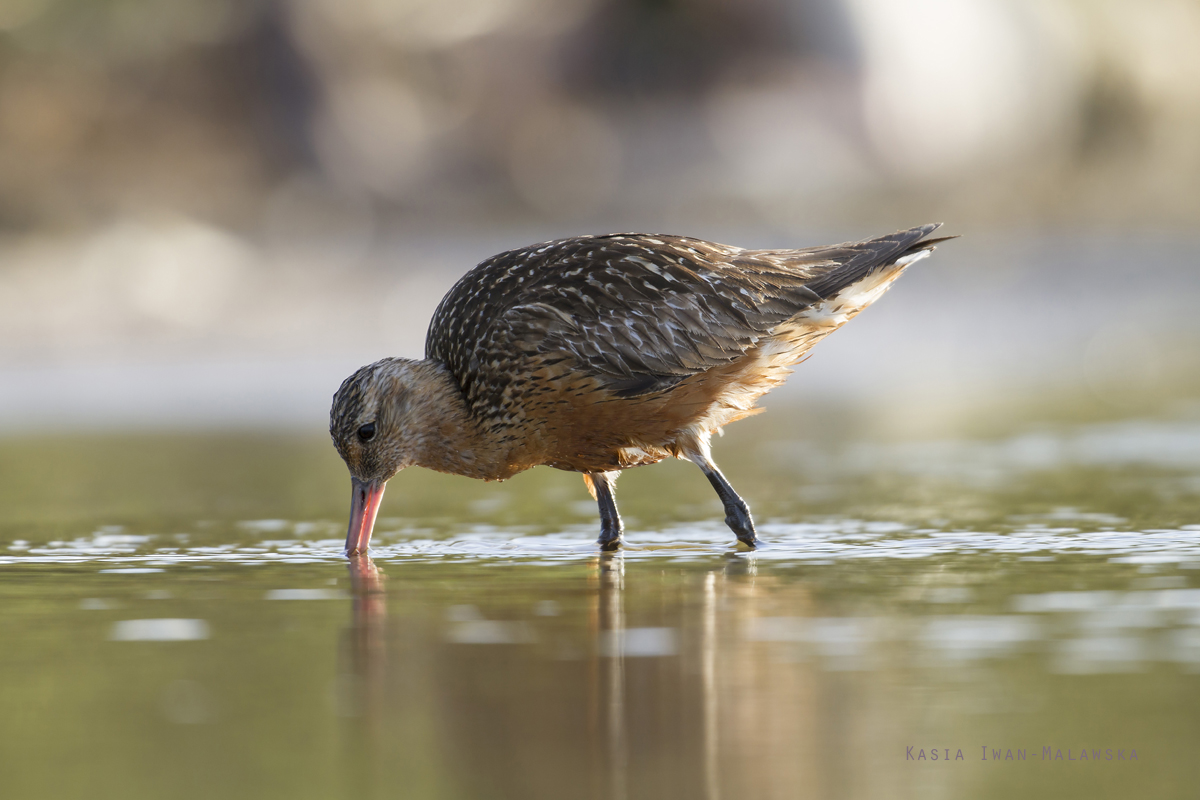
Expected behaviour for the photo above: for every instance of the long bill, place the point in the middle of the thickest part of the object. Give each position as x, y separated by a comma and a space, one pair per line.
364, 505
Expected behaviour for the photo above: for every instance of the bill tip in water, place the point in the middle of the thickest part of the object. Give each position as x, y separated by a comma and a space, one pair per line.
365, 497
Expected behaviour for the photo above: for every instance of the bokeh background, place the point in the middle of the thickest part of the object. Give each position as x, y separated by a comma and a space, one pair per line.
981, 499
213, 210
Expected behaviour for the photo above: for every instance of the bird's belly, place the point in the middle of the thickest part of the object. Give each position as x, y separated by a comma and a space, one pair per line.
585, 454
596, 432
622, 458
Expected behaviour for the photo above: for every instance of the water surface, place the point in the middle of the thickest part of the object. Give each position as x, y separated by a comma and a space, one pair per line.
177, 621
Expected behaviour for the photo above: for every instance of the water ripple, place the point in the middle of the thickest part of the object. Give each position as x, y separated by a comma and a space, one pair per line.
806, 542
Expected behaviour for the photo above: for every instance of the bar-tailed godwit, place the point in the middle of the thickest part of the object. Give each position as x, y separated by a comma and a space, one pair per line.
600, 353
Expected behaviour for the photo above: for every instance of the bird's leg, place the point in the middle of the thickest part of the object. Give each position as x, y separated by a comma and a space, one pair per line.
737, 513
604, 486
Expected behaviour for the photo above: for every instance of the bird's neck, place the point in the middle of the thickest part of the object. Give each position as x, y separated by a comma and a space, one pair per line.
450, 439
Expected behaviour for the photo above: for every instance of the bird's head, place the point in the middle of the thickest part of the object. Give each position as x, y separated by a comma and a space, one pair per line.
372, 428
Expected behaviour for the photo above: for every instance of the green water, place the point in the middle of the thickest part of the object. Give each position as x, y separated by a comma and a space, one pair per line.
176, 620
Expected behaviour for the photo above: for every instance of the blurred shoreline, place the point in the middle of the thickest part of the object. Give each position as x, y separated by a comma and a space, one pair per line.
179, 324
834, 111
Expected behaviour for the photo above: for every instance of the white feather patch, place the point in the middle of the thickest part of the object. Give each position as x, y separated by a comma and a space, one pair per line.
837, 310
912, 258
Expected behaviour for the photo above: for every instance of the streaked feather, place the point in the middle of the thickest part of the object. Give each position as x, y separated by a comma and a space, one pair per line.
635, 313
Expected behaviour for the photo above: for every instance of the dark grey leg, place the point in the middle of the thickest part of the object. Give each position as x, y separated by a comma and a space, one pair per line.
737, 513
605, 485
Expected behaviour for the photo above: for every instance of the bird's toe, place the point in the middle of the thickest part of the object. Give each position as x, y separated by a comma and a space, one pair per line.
609, 545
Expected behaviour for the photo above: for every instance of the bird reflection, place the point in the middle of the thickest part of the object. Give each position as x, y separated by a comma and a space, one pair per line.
368, 652
362, 679
708, 674
610, 647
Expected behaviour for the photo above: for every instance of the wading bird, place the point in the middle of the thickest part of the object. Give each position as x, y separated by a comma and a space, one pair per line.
599, 353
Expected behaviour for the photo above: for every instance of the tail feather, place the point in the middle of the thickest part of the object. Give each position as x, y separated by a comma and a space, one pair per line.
874, 254
929, 244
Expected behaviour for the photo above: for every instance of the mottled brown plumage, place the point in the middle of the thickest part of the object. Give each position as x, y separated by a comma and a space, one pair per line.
598, 353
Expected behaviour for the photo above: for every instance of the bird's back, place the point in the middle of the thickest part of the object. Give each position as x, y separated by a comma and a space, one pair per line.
537, 334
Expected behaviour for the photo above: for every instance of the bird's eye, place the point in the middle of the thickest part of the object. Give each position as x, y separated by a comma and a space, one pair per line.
367, 432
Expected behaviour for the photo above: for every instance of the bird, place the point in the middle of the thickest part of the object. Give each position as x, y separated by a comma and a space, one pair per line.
599, 353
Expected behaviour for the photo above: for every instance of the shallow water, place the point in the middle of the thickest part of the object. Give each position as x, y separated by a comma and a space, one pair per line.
177, 621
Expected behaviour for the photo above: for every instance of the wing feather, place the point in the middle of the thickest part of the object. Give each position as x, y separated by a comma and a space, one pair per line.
637, 313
